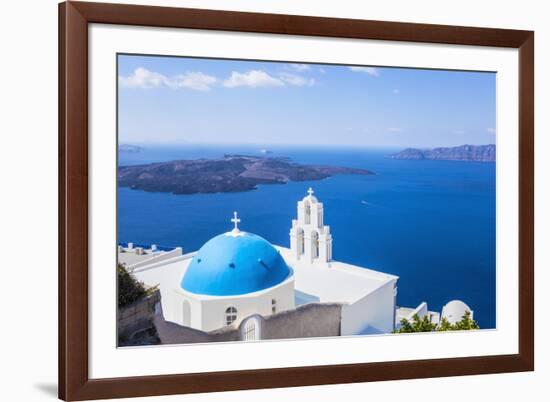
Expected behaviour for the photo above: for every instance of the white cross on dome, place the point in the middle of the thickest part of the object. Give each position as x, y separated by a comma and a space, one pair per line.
236, 221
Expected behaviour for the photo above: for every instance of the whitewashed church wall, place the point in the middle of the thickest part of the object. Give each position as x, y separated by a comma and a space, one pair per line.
301, 213
182, 309
371, 314
213, 309
197, 309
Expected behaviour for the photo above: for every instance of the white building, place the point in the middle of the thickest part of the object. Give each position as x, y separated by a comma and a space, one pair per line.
455, 310
237, 275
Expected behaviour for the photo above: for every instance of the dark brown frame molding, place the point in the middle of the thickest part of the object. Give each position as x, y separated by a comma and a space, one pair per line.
74, 17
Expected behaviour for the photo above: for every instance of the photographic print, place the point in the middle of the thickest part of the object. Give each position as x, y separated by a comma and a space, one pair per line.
265, 200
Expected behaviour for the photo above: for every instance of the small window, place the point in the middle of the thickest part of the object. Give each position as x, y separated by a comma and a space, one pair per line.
273, 306
230, 315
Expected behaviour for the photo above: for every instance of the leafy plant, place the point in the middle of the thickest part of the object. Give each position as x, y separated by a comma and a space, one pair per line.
418, 325
130, 289
424, 325
465, 324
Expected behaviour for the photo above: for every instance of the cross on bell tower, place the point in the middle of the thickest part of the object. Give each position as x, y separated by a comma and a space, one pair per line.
310, 191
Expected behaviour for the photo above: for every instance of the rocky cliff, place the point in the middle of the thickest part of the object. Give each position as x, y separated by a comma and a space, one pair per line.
478, 153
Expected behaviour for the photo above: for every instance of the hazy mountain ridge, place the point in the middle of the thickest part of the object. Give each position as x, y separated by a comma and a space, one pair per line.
129, 148
474, 153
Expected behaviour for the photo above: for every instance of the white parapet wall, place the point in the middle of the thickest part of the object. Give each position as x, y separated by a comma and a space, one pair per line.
421, 310
156, 258
372, 314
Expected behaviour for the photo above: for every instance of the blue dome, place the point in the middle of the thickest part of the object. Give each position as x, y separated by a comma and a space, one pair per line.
230, 264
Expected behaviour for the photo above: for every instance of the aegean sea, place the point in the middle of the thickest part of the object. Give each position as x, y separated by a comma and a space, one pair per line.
431, 222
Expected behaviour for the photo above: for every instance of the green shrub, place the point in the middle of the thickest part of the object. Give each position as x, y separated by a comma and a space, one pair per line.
465, 324
424, 325
130, 289
417, 325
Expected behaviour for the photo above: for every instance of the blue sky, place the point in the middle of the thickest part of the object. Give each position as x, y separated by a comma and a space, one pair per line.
173, 100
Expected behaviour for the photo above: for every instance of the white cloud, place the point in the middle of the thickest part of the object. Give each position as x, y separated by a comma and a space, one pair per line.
198, 81
296, 80
145, 79
395, 129
368, 70
252, 79
396, 91
491, 130
299, 67
194, 80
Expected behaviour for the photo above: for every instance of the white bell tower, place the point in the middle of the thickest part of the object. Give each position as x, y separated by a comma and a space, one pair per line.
310, 238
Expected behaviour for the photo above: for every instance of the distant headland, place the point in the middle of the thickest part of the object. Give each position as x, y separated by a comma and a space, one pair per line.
232, 173
129, 148
473, 153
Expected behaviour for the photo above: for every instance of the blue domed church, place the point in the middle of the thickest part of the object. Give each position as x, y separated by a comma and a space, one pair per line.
240, 285
234, 275
233, 264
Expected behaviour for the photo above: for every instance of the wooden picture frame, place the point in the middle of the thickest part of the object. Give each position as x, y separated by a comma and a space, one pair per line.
74, 381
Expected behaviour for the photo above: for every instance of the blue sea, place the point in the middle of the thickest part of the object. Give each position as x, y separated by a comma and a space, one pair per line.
432, 223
